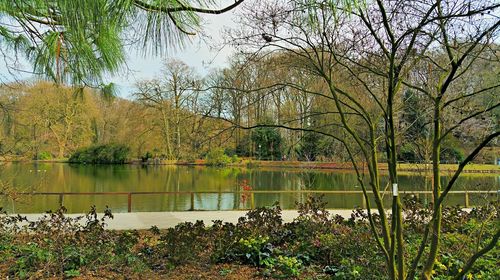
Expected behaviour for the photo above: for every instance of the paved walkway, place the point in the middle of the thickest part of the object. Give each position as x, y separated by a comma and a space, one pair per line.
145, 220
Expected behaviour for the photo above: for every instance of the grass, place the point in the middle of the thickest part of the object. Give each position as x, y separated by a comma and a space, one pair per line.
451, 167
409, 167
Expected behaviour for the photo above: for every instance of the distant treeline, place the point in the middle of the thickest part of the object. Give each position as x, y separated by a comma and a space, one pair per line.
245, 111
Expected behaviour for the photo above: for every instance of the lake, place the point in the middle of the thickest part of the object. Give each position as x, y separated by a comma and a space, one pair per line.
223, 187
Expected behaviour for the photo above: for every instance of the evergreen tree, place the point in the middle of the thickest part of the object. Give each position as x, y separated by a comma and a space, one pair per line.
267, 141
79, 42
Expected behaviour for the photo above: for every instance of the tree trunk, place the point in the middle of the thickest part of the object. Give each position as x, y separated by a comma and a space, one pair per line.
436, 191
166, 134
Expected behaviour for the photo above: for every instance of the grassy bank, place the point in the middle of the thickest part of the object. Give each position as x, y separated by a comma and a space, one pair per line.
315, 245
470, 168
404, 167
408, 167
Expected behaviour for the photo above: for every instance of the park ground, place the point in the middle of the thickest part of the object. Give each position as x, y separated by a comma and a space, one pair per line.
247, 163
267, 243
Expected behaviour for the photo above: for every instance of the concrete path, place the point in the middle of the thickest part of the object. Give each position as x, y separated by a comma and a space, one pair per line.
145, 220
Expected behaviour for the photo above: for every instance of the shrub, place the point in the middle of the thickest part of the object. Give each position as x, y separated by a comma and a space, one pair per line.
452, 154
217, 157
189, 158
107, 154
235, 159
255, 251
287, 267
44, 155
264, 220
57, 245
146, 156
321, 245
407, 153
230, 152
179, 245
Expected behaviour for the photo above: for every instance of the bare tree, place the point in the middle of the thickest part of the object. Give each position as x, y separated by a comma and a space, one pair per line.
170, 96
366, 58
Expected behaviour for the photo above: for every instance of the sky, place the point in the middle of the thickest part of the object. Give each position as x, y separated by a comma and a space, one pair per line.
202, 53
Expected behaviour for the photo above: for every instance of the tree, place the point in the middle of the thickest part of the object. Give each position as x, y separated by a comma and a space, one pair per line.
234, 103
42, 118
366, 58
180, 82
55, 114
267, 141
170, 97
151, 95
451, 91
78, 42
415, 122
309, 149
9, 139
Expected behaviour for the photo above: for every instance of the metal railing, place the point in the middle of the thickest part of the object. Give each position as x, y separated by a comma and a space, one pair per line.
251, 193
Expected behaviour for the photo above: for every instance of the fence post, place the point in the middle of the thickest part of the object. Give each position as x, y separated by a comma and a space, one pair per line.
252, 200
129, 202
466, 199
192, 202
60, 200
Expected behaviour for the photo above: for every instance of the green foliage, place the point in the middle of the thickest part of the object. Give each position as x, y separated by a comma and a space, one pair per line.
57, 245
452, 154
309, 146
74, 259
243, 148
235, 159
44, 155
79, 42
267, 141
286, 267
225, 272
255, 251
217, 157
71, 273
29, 257
146, 156
264, 221
177, 246
314, 245
106, 154
407, 153
414, 116
126, 240
347, 271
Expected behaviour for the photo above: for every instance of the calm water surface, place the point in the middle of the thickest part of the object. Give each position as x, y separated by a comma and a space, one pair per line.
58, 177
